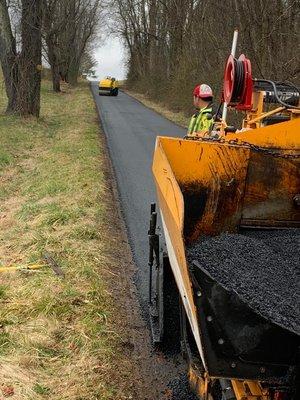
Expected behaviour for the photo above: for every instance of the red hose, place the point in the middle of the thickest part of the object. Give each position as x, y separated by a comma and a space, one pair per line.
238, 85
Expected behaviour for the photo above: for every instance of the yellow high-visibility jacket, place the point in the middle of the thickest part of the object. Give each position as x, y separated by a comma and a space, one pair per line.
201, 121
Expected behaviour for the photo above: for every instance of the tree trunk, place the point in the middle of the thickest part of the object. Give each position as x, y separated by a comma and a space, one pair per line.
53, 60
8, 58
30, 58
72, 67
51, 33
55, 78
73, 72
152, 35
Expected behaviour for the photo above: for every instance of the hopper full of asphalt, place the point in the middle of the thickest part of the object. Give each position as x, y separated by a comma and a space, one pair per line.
262, 267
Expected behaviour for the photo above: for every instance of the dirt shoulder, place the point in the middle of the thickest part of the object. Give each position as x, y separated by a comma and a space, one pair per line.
178, 117
79, 336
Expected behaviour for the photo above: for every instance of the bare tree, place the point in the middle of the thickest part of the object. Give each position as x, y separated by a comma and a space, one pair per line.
22, 71
30, 58
70, 27
8, 57
84, 30
53, 25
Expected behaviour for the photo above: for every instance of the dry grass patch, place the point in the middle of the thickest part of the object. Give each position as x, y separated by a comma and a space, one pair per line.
57, 339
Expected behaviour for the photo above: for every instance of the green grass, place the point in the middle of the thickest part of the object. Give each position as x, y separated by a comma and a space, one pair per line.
5, 159
3, 290
55, 334
41, 389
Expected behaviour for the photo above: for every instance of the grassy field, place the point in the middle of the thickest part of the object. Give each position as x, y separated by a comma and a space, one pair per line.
57, 339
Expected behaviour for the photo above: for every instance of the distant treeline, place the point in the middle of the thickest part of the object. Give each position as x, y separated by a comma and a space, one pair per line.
175, 44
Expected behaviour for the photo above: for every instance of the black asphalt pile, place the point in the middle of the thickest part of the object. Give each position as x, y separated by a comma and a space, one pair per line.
262, 267
179, 389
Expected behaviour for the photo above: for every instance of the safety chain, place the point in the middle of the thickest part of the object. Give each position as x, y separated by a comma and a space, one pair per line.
243, 143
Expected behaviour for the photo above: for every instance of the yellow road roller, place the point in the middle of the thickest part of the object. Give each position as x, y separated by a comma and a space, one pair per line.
109, 86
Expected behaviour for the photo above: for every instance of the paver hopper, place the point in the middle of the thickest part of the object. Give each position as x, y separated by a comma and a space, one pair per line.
205, 187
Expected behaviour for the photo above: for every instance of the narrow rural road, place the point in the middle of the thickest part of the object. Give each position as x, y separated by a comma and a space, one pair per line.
131, 130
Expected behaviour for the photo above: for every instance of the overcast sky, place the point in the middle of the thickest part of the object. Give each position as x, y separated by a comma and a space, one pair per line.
111, 59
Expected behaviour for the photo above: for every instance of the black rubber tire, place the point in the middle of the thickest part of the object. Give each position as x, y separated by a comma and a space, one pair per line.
116, 92
171, 339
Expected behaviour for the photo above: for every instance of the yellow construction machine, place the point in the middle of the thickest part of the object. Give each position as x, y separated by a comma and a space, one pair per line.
109, 86
229, 203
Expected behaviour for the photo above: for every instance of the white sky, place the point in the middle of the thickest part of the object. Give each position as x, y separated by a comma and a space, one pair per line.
111, 59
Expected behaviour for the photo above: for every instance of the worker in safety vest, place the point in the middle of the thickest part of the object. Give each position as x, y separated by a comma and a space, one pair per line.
201, 122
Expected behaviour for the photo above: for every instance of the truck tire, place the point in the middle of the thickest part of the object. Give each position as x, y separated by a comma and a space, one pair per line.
171, 338
164, 310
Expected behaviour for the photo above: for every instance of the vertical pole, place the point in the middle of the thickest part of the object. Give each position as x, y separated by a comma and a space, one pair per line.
151, 235
233, 51
234, 42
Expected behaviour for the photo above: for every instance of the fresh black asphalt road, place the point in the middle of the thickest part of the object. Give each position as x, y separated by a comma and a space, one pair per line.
131, 130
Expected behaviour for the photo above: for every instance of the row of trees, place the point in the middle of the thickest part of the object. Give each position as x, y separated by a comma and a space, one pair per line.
60, 31
174, 44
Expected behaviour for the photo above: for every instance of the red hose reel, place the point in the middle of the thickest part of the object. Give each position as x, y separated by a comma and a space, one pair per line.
238, 84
